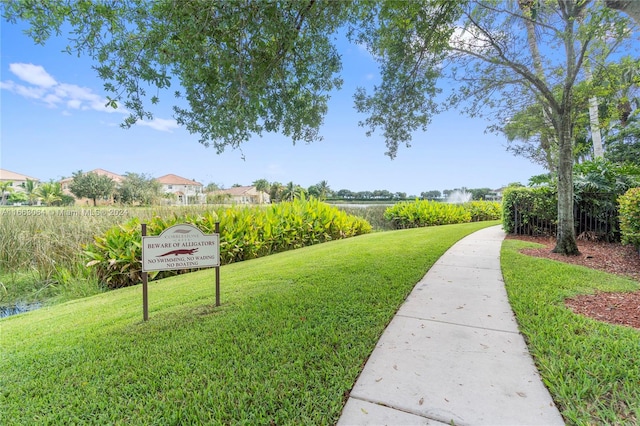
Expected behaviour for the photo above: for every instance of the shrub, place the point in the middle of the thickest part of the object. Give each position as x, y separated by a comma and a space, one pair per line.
419, 213
530, 211
630, 217
245, 233
484, 210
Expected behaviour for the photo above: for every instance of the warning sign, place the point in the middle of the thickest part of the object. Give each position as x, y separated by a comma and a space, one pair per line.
181, 246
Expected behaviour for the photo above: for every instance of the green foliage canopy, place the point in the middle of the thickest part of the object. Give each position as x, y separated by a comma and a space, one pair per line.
245, 67
91, 185
138, 189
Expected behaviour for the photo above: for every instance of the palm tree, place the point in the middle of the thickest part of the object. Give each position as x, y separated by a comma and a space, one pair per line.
275, 192
292, 191
262, 186
324, 189
5, 188
30, 188
50, 192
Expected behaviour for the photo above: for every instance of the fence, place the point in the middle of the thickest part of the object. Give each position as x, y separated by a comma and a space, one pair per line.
595, 218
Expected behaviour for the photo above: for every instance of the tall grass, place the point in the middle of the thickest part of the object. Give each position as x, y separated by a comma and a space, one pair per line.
40, 248
372, 214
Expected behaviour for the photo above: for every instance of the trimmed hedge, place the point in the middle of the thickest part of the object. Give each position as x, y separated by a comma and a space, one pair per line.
630, 217
245, 233
420, 213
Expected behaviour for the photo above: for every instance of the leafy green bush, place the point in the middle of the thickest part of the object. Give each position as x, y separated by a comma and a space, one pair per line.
245, 233
484, 210
529, 211
597, 186
630, 217
419, 213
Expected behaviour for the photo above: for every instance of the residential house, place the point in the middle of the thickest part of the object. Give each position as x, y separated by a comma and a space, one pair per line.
496, 194
243, 195
17, 180
186, 191
64, 184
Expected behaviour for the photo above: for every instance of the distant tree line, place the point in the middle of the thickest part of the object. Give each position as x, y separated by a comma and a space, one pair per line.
281, 192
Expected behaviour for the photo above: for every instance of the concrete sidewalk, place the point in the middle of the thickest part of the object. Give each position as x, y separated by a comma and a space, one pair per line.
453, 353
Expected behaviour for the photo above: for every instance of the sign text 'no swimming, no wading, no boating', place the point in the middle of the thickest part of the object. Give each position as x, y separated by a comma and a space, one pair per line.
182, 246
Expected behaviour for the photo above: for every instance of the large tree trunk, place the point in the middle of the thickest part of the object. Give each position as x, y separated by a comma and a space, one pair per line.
546, 139
594, 120
630, 7
566, 239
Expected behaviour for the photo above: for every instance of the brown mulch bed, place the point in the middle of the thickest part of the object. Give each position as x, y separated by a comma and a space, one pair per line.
614, 258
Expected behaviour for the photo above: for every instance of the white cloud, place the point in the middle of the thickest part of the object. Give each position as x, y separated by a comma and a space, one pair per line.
160, 124
27, 92
51, 100
75, 92
41, 86
74, 104
469, 40
34, 74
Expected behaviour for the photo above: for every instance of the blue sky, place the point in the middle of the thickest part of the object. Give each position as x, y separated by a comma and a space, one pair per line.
53, 123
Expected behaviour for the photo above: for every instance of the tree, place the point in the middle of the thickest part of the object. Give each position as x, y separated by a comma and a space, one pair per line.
431, 195
6, 188
211, 186
17, 197
480, 193
400, 195
345, 194
50, 193
139, 189
313, 191
262, 186
246, 67
496, 71
275, 192
30, 188
630, 7
615, 86
91, 185
292, 191
249, 68
324, 189
620, 109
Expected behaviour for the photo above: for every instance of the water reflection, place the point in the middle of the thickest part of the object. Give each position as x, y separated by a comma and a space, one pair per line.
18, 308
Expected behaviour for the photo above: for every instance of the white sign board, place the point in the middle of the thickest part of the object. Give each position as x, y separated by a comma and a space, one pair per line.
180, 247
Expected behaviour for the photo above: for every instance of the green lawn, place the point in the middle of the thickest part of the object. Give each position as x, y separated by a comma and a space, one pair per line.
285, 347
592, 369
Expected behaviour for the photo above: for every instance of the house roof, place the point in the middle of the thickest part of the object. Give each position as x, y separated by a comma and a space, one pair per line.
13, 176
238, 190
172, 179
116, 177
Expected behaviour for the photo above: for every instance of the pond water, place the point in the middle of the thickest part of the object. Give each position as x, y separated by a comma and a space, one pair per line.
17, 308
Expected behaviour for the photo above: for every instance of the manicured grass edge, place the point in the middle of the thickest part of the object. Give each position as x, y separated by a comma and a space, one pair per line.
592, 369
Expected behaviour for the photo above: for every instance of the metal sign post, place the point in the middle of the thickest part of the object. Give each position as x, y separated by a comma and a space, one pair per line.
145, 301
217, 229
182, 246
